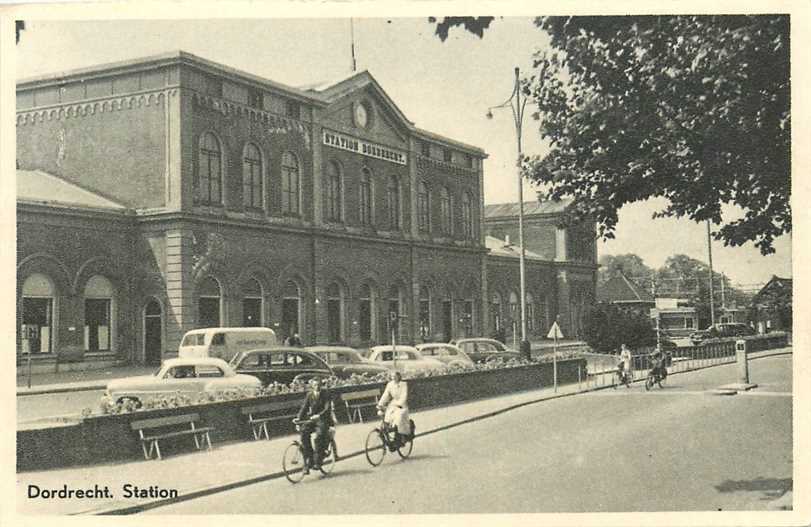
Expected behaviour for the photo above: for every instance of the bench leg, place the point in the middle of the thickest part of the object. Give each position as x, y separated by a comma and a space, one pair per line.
196, 441
157, 448
147, 453
256, 430
208, 441
360, 414
265, 430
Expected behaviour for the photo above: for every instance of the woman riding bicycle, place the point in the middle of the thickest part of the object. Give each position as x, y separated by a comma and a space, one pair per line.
395, 400
317, 411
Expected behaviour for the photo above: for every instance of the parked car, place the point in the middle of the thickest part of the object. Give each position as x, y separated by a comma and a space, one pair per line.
447, 353
407, 359
346, 361
184, 375
281, 364
719, 331
485, 350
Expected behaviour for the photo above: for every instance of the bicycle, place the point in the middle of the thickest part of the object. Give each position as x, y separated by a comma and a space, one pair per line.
655, 376
623, 377
383, 438
293, 457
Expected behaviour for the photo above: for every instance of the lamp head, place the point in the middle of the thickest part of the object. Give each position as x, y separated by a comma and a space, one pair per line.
489, 114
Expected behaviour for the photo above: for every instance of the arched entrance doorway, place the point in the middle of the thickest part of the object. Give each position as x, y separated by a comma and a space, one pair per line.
153, 332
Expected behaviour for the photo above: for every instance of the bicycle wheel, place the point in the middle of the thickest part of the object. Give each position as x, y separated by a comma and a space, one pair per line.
406, 448
375, 447
328, 463
649, 382
293, 463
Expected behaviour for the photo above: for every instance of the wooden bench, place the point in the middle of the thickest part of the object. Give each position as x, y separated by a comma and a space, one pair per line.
356, 401
258, 416
166, 427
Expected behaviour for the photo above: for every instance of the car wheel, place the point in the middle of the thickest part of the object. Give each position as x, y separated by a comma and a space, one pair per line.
135, 401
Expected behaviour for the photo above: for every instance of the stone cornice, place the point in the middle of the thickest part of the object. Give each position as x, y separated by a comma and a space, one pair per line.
280, 123
427, 162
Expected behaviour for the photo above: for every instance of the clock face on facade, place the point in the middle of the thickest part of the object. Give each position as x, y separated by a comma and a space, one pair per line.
361, 115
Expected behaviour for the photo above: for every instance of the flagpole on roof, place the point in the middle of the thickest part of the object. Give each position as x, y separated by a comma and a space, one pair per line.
352, 31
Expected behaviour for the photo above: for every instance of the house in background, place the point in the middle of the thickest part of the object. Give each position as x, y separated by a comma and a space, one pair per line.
677, 317
771, 308
626, 294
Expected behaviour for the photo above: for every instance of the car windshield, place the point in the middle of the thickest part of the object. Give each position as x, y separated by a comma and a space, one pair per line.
194, 340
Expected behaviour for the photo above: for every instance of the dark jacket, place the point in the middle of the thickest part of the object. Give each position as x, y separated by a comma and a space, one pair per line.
321, 406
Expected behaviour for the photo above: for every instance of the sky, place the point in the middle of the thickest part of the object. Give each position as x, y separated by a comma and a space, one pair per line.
446, 88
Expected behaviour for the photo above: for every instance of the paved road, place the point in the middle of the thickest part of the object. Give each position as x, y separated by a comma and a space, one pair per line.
677, 448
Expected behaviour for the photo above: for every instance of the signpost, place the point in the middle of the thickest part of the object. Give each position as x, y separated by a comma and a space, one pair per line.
555, 333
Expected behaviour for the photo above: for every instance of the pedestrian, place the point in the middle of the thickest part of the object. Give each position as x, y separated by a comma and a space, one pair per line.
625, 358
294, 341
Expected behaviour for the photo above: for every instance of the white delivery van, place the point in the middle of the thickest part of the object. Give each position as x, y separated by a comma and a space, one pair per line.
224, 343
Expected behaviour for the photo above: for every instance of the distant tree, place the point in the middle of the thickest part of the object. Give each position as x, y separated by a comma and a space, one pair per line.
606, 327
631, 265
695, 109
473, 24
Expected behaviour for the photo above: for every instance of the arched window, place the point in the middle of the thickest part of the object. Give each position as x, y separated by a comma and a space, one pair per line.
467, 216
446, 220
252, 303
290, 185
366, 198
423, 208
98, 315
252, 197
37, 313
332, 188
291, 309
393, 202
208, 303
366, 314
425, 314
209, 181
530, 312
515, 313
495, 311
335, 311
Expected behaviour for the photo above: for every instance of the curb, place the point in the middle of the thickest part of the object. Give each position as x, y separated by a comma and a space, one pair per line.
214, 489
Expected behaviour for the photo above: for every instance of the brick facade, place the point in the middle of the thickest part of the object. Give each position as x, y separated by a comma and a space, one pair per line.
146, 134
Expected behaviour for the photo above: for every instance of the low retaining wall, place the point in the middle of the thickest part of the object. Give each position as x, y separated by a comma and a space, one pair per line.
107, 438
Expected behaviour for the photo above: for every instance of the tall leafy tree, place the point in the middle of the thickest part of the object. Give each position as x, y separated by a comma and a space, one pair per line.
631, 265
695, 109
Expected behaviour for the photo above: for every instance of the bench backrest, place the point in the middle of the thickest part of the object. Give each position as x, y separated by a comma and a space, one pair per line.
271, 407
365, 394
157, 422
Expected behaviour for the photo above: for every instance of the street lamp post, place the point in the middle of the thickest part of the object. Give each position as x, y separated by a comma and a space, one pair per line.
517, 107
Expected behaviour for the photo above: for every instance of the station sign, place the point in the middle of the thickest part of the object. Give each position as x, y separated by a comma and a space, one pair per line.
364, 148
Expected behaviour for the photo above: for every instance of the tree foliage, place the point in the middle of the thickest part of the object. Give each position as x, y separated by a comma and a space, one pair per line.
473, 24
631, 265
695, 109
606, 327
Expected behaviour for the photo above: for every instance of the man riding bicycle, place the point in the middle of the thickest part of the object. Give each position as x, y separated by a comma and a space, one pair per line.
395, 400
657, 361
317, 411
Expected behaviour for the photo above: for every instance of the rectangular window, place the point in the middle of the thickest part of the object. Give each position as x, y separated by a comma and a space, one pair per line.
425, 149
37, 315
293, 110
423, 212
447, 155
97, 324
688, 323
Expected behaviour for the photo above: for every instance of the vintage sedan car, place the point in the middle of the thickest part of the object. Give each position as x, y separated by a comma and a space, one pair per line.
186, 375
280, 365
447, 353
719, 331
485, 350
346, 361
404, 359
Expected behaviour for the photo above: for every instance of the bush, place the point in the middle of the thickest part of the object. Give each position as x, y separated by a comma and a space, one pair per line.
607, 327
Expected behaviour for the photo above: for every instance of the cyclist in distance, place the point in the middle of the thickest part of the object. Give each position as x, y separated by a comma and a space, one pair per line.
317, 409
625, 360
395, 401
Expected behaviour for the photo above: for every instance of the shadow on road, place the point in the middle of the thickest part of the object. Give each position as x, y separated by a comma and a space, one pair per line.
340, 473
772, 488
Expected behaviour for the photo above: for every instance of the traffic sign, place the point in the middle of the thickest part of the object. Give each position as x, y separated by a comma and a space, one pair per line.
555, 332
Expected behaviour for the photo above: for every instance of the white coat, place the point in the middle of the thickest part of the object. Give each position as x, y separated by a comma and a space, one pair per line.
396, 397
625, 357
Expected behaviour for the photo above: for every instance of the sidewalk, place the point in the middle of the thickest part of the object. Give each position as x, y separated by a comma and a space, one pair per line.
55, 382
236, 464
